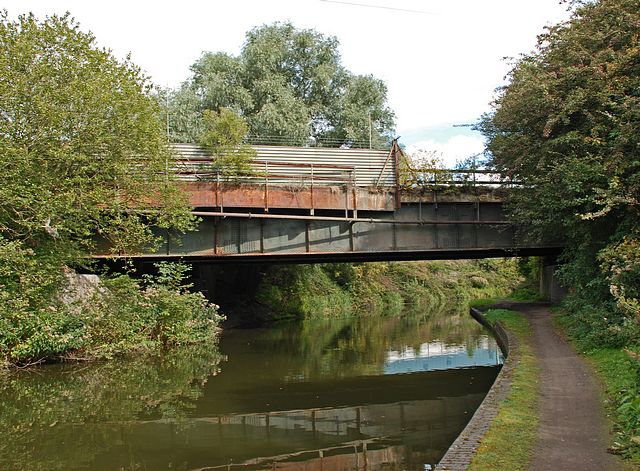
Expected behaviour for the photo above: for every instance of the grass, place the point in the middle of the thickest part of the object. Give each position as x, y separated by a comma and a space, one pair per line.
509, 442
384, 288
484, 302
620, 376
523, 293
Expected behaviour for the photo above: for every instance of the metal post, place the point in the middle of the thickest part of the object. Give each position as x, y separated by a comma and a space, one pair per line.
218, 195
215, 236
364, 454
312, 211
351, 241
313, 423
355, 452
475, 227
456, 218
262, 221
346, 201
266, 187
307, 236
355, 193
435, 217
394, 228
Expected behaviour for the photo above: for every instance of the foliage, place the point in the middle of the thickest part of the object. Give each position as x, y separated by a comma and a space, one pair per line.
290, 86
120, 315
291, 292
420, 168
621, 263
42, 411
80, 143
567, 126
84, 157
159, 314
338, 290
508, 444
223, 134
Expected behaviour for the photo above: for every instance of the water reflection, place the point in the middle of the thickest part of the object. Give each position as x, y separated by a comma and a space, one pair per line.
440, 356
322, 394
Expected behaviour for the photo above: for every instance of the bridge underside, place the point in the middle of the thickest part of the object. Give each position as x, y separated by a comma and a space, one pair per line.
333, 257
416, 231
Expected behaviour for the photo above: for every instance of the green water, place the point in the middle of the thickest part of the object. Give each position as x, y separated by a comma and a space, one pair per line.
369, 393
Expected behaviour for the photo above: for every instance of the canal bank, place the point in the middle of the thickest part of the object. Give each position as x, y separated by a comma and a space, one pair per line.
510, 334
552, 415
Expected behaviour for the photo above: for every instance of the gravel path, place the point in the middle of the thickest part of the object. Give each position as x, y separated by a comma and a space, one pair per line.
573, 431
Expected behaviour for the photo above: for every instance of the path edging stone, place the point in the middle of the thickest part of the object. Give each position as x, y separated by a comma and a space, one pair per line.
459, 455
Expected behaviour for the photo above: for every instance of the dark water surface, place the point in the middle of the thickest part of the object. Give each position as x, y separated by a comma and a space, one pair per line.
342, 394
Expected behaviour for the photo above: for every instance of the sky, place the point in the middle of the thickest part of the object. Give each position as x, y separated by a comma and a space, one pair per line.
441, 59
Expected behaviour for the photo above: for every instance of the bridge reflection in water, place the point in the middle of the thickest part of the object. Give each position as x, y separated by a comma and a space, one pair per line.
287, 413
406, 434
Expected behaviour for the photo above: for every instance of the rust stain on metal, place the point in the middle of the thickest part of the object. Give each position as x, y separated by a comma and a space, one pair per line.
213, 194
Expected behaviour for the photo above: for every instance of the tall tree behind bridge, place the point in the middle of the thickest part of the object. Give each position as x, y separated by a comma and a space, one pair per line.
568, 127
290, 86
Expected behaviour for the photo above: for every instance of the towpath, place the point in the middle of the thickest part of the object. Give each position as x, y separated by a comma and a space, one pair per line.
572, 434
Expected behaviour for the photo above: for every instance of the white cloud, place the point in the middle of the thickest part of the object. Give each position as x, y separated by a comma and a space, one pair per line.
451, 151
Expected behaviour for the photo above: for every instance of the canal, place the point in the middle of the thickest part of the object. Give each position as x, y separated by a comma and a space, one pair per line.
373, 393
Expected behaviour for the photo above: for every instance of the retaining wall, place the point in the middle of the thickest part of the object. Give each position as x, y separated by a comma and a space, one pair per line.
459, 455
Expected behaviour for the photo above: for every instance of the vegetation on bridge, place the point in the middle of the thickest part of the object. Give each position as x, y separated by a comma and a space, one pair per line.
568, 127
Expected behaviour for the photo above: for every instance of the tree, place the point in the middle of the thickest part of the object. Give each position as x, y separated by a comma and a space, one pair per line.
290, 86
83, 154
81, 142
568, 127
223, 134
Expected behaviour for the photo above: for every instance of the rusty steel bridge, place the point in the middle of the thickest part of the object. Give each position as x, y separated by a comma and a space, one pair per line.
308, 204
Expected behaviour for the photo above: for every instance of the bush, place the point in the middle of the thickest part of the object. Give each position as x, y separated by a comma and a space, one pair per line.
122, 315
599, 325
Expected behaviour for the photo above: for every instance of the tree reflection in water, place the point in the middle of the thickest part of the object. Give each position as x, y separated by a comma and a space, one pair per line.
307, 395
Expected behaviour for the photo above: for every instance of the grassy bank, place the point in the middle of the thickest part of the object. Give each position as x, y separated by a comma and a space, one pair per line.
508, 444
619, 372
310, 291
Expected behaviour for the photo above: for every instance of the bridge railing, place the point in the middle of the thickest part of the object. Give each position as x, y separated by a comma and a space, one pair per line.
276, 183
435, 177
266, 172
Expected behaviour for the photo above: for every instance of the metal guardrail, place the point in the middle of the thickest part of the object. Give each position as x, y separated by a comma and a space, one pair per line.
268, 173
459, 177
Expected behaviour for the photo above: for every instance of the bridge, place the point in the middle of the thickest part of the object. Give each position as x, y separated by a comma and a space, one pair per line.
312, 204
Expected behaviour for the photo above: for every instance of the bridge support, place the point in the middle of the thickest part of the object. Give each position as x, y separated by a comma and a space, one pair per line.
550, 286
